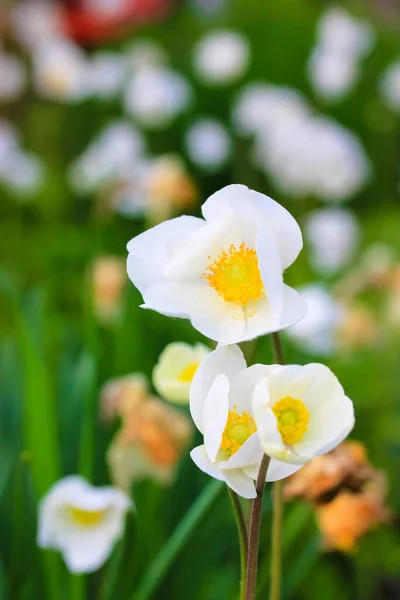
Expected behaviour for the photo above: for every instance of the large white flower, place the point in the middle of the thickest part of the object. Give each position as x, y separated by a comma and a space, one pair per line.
176, 367
301, 412
224, 273
220, 404
82, 522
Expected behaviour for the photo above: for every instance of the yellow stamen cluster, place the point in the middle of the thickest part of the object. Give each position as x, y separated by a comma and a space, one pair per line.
237, 431
293, 417
188, 373
86, 518
235, 275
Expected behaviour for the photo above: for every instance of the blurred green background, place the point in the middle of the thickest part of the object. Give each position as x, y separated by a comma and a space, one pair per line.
55, 354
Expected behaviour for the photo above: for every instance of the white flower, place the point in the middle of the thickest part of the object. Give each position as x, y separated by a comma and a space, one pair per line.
106, 8
82, 522
106, 73
333, 235
22, 172
341, 33
220, 405
13, 77
61, 71
332, 75
208, 144
155, 96
317, 332
390, 85
176, 367
35, 21
144, 54
221, 57
224, 273
301, 412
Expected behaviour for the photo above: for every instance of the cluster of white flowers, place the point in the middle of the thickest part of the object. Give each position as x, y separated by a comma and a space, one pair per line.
304, 154
20, 171
342, 41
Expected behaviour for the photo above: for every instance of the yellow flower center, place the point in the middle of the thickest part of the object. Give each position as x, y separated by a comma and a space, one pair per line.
237, 430
235, 275
188, 373
86, 518
293, 417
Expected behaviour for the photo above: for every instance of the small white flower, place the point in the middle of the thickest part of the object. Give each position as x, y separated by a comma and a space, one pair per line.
22, 172
220, 404
223, 272
333, 235
317, 332
61, 71
343, 34
332, 75
221, 57
13, 77
106, 72
301, 412
144, 54
82, 522
155, 96
390, 85
35, 21
176, 367
208, 144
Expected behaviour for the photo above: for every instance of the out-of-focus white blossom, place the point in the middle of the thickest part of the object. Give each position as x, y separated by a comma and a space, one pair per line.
155, 96
208, 144
316, 333
106, 73
342, 41
333, 235
12, 77
105, 7
390, 85
61, 71
221, 57
112, 155
35, 21
143, 54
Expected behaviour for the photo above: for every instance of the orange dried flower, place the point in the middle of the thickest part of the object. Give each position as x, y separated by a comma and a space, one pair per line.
108, 276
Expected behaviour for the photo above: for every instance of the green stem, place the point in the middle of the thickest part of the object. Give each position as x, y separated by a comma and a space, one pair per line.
254, 534
277, 513
242, 531
176, 542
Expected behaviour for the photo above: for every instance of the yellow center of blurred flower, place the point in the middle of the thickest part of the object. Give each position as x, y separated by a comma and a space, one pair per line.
188, 372
86, 518
237, 431
235, 275
293, 417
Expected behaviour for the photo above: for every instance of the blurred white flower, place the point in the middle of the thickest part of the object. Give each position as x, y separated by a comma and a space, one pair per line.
22, 172
61, 71
143, 54
223, 272
208, 144
175, 369
35, 21
316, 333
342, 41
221, 57
105, 7
112, 155
301, 412
221, 408
8, 140
390, 85
154, 97
13, 77
82, 522
333, 235
106, 72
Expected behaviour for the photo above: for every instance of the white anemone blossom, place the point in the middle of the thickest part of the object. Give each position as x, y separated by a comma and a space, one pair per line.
301, 412
221, 57
223, 272
82, 522
220, 405
175, 369
208, 144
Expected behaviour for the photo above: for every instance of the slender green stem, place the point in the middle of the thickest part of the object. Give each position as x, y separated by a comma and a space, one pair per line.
176, 542
277, 513
242, 531
254, 533
276, 547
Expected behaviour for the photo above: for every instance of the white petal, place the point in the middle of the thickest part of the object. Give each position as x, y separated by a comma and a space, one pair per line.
249, 454
323, 385
215, 415
227, 360
244, 384
280, 470
201, 460
148, 252
294, 308
239, 197
240, 483
270, 265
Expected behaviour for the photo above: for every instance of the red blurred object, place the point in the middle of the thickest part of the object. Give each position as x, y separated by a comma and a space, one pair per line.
87, 25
